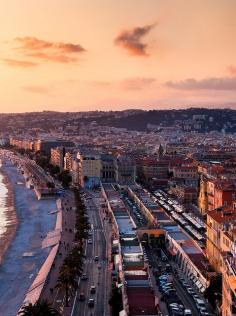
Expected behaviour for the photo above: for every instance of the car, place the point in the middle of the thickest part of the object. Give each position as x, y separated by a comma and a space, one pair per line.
169, 292
96, 258
90, 241
81, 296
92, 289
91, 302
185, 284
201, 305
195, 297
166, 289
190, 290
164, 284
187, 312
84, 277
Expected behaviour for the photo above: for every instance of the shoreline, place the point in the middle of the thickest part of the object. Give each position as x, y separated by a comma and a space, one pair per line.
12, 220
28, 221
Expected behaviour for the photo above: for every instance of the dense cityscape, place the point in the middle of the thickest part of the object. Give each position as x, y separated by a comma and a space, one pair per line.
145, 220
118, 158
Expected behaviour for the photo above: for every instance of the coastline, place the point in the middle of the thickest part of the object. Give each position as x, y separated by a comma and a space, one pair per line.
23, 252
11, 216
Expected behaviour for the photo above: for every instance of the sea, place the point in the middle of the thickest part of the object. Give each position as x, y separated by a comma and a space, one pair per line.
3, 207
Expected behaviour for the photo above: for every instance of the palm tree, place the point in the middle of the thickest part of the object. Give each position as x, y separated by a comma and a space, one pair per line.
67, 281
40, 308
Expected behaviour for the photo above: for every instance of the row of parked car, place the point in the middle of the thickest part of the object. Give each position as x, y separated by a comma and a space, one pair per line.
200, 303
138, 215
169, 295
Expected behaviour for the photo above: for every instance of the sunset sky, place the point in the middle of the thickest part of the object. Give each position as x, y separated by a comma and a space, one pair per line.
72, 55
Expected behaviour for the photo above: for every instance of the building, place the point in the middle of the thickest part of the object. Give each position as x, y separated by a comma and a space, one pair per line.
22, 143
185, 194
107, 168
91, 168
76, 172
68, 160
220, 192
203, 196
218, 221
125, 170
228, 307
189, 257
46, 145
221, 252
128, 262
188, 174
57, 157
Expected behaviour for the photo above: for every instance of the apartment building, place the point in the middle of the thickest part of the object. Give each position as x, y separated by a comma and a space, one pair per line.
107, 168
46, 145
57, 157
125, 170
220, 192
203, 197
218, 222
228, 307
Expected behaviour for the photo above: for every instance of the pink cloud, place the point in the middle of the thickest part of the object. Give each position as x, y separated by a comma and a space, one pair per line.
131, 40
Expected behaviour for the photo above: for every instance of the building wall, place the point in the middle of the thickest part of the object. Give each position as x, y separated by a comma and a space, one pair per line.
213, 243
57, 157
203, 198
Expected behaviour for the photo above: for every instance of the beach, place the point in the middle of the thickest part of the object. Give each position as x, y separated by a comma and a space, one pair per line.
29, 222
8, 217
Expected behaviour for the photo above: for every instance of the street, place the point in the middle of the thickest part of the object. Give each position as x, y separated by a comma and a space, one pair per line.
96, 271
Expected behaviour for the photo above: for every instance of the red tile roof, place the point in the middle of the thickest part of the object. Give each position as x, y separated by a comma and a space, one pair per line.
141, 301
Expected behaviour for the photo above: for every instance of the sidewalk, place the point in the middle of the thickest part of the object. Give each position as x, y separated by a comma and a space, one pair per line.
50, 292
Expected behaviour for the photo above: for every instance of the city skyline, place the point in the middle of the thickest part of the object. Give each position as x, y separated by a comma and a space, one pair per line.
103, 55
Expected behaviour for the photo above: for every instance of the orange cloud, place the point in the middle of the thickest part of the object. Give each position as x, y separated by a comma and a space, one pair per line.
224, 83
19, 63
137, 83
51, 51
53, 57
132, 40
36, 89
33, 43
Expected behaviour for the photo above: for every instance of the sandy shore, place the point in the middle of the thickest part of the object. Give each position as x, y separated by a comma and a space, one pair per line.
11, 217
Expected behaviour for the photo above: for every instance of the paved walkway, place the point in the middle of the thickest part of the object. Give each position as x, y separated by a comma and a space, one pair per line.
50, 292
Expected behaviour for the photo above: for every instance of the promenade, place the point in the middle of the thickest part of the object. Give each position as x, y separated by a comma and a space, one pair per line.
50, 292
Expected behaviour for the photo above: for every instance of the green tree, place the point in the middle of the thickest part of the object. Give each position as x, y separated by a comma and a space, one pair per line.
65, 178
40, 308
67, 281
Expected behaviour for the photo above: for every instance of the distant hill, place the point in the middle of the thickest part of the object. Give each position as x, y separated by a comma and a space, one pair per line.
202, 118
192, 119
